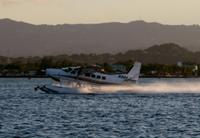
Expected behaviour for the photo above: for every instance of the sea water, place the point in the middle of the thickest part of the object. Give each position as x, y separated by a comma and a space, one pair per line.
151, 108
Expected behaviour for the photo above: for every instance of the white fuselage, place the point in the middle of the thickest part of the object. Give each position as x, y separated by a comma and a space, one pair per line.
76, 73
95, 77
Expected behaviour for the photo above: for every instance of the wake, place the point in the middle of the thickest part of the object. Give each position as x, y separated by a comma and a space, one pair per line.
152, 87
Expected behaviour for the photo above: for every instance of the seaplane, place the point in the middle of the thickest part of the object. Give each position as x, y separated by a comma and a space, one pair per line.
71, 79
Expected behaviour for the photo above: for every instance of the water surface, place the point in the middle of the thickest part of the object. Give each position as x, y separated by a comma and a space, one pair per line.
166, 112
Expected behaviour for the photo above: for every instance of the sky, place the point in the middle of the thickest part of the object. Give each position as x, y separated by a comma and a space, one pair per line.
98, 11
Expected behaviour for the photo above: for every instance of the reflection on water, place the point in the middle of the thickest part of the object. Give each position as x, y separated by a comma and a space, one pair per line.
152, 108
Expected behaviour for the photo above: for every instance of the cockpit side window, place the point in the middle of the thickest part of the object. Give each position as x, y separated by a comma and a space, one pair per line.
67, 69
73, 72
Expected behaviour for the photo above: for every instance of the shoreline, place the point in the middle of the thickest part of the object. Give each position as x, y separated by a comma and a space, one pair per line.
41, 76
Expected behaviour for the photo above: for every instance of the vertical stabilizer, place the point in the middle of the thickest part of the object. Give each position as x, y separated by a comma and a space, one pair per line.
134, 73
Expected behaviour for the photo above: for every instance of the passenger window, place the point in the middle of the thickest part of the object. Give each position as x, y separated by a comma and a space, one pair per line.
93, 76
98, 77
103, 78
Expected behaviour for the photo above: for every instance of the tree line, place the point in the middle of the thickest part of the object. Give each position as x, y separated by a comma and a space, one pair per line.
24, 65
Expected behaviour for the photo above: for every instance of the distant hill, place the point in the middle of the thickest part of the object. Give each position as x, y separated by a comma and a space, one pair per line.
168, 53
23, 39
164, 54
160, 54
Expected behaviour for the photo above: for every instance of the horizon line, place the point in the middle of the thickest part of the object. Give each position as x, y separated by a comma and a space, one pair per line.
120, 22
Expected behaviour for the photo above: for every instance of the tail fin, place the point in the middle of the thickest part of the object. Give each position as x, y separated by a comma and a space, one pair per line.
134, 73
